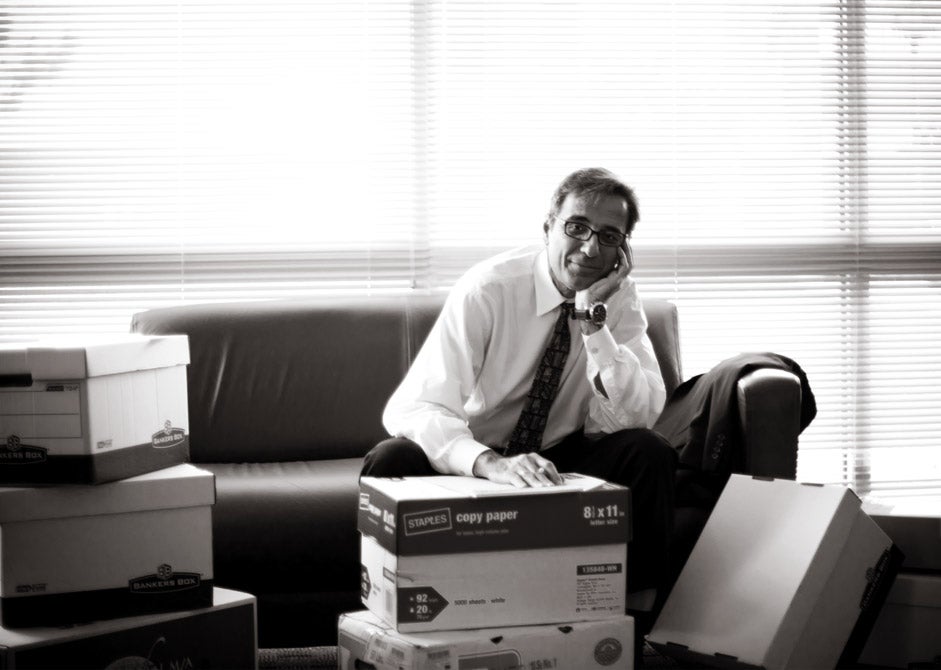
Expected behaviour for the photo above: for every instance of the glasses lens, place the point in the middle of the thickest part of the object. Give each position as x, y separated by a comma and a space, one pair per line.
610, 239
577, 230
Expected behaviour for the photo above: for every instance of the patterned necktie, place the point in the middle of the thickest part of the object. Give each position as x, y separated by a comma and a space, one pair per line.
527, 435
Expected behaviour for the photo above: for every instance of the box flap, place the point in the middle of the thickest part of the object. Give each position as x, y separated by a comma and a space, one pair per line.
749, 564
179, 486
89, 356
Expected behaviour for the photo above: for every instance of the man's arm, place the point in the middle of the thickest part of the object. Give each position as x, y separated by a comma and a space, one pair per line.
622, 366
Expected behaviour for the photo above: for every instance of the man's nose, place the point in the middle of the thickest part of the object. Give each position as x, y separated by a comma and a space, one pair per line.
590, 246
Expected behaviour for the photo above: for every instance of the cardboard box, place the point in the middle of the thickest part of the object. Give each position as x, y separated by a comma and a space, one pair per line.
364, 640
442, 553
72, 554
784, 575
906, 634
92, 410
221, 636
914, 524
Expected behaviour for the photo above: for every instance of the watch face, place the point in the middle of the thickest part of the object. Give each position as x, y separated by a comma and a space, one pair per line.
598, 313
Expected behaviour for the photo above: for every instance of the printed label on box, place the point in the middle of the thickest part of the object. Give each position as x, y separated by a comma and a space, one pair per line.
168, 437
14, 452
164, 581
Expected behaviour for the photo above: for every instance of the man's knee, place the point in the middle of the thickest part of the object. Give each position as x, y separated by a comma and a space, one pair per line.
648, 447
396, 457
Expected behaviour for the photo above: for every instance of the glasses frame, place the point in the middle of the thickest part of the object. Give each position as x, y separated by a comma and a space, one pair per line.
624, 244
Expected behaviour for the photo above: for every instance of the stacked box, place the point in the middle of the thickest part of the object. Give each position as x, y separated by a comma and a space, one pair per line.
784, 575
94, 410
365, 640
463, 552
220, 636
906, 633
72, 554
914, 524
104, 520
460, 559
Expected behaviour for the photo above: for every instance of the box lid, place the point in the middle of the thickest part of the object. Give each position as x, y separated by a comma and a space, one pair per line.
749, 569
25, 638
179, 486
92, 356
413, 516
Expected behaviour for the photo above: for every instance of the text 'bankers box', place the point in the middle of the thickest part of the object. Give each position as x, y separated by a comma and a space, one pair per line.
71, 554
784, 575
92, 410
442, 553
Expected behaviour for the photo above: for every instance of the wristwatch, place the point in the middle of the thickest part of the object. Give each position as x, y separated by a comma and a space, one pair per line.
596, 313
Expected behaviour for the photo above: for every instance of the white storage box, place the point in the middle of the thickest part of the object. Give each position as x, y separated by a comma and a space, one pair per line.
907, 633
218, 637
364, 640
92, 410
784, 575
72, 554
442, 553
914, 524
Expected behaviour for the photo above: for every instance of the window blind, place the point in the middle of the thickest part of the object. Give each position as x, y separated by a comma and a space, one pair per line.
785, 156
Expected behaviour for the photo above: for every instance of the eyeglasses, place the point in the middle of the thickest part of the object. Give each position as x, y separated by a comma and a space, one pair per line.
583, 232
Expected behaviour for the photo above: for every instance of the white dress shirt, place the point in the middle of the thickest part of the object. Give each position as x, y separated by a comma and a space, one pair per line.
469, 382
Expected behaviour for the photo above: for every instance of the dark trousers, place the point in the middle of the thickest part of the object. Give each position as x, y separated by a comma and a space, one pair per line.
639, 459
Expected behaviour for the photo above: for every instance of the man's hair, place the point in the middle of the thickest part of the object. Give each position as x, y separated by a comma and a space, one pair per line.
596, 183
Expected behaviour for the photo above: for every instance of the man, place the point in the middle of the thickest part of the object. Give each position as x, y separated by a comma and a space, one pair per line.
510, 387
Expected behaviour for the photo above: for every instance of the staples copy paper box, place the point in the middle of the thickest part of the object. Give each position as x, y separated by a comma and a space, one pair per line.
71, 554
92, 410
221, 636
906, 634
364, 640
784, 575
462, 552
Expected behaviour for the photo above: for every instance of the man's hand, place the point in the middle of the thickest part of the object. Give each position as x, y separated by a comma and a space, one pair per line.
607, 286
603, 289
521, 471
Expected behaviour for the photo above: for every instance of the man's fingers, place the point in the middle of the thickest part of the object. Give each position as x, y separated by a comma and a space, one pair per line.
548, 472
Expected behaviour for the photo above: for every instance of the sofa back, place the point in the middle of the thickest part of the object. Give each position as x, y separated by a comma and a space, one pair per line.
307, 379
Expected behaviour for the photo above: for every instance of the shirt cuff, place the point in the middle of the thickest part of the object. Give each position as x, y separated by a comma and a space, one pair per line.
601, 346
464, 454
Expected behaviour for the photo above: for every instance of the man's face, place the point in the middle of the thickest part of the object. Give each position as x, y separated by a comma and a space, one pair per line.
576, 265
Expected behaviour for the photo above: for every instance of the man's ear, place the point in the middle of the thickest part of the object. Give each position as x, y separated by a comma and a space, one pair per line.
545, 230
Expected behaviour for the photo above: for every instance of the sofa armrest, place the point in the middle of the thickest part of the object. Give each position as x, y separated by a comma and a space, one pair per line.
769, 402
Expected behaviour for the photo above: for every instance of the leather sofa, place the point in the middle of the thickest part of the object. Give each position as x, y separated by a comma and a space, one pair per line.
285, 398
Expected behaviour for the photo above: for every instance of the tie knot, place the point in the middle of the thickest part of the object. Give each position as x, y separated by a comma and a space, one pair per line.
568, 309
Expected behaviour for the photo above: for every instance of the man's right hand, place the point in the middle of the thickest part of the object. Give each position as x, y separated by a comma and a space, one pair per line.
522, 471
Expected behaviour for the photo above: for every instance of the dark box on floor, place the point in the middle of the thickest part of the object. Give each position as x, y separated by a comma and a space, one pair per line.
218, 637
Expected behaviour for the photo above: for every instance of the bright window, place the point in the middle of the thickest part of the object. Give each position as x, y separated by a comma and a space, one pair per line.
786, 158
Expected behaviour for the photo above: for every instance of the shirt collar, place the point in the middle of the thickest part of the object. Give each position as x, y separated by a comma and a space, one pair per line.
547, 295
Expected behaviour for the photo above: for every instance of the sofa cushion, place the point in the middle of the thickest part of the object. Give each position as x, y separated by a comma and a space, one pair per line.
292, 380
287, 527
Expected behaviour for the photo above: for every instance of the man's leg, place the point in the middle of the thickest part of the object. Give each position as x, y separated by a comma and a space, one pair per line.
397, 457
643, 461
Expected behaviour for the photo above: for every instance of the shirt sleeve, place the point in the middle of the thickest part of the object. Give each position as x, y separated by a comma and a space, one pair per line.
428, 406
622, 356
